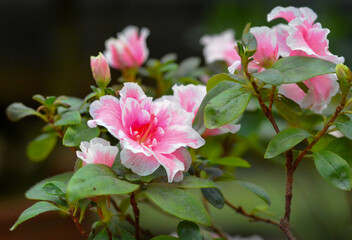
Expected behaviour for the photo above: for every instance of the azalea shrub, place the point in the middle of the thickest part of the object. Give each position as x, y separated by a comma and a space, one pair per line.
165, 127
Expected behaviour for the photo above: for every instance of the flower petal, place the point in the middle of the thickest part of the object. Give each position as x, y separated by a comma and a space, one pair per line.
139, 163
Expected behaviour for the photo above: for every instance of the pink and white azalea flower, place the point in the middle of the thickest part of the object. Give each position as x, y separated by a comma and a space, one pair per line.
303, 37
97, 151
220, 47
128, 50
150, 133
189, 97
267, 50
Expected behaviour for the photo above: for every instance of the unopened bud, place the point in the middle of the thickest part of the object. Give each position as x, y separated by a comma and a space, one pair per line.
343, 72
100, 70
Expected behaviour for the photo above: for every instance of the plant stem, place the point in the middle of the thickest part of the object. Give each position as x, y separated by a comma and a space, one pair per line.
284, 224
253, 217
136, 214
78, 225
213, 226
338, 110
272, 95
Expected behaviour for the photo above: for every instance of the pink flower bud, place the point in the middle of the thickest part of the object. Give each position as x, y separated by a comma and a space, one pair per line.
129, 49
100, 70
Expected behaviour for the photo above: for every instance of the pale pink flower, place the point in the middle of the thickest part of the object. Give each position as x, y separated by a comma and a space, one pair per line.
189, 97
220, 47
100, 69
97, 151
150, 133
128, 50
303, 37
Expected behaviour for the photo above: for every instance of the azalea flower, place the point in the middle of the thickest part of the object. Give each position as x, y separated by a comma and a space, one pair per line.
220, 47
303, 37
267, 50
189, 97
150, 133
97, 151
128, 50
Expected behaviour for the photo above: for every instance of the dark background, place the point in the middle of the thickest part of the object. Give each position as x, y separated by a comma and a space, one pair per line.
45, 47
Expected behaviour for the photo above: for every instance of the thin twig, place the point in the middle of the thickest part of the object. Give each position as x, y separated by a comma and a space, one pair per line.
338, 110
78, 225
253, 217
272, 95
213, 226
136, 214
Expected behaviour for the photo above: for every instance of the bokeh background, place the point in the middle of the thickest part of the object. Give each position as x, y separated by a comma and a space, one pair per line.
45, 47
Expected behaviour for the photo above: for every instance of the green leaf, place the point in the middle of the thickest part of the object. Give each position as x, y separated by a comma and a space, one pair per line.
285, 140
256, 190
34, 210
189, 231
74, 135
17, 111
39, 98
198, 123
270, 76
49, 101
288, 109
249, 41
214, 196
231, 162
345, 128
164, 237
55, 188
297, 68
196, 182
40, 148
342, 147
334, 169
69, 118
37, 193
179, 203
226, 107
96, 180
216, 79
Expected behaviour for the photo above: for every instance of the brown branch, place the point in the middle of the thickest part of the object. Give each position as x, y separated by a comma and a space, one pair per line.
78, 225
136, 214
253, 217
213, 226
129, 219
272, 95
338, 110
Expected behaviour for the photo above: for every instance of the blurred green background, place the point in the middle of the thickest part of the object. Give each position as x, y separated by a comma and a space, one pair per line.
45, 48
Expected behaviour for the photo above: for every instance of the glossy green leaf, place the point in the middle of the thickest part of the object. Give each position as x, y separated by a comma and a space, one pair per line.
249, 41
216, 79
214, 196
297, 68
69, 118
288, 109
256, 190
226, 107
34, 210
96, 180
37, 193
179, 203
17, 111
39, 98
285, 140
345, 128
334, 169
231, 162
196, 182
189, 231
55, 188
342, 147
74, 135
40, 148
198, 123
270, 76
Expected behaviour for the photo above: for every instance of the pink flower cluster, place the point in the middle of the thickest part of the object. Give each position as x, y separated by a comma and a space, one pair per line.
299, 37
151, 133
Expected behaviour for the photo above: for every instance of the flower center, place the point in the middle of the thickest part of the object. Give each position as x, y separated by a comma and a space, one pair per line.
145, 135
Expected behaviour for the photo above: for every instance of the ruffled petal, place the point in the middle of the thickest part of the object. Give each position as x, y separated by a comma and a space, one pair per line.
139, 163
